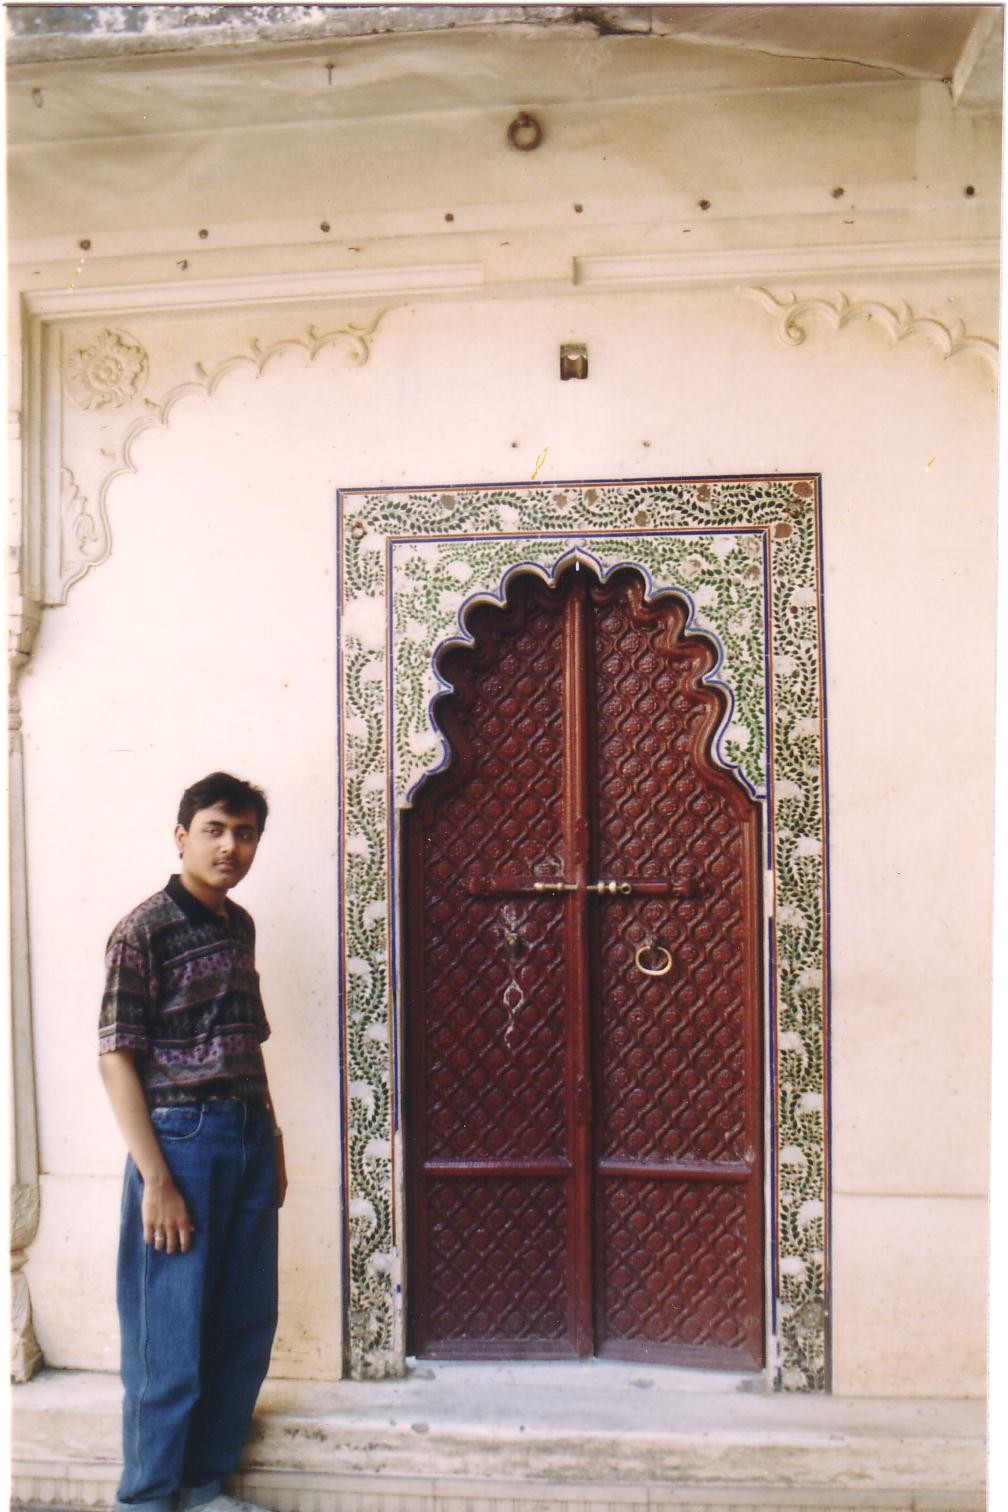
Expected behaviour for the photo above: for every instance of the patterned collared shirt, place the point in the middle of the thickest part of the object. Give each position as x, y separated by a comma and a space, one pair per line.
182, 992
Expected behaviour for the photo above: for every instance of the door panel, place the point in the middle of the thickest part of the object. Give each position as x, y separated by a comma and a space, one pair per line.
488, 1071
583, 996
672, 1286
677, 1055
501, 1275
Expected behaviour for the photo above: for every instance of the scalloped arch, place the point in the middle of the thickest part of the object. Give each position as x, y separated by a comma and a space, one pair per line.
574, 557
355, 339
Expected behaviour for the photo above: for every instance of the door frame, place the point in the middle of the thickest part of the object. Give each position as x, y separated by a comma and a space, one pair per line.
586, 1167
746, 555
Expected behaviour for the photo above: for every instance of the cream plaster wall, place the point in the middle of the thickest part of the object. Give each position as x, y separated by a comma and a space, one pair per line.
208, 640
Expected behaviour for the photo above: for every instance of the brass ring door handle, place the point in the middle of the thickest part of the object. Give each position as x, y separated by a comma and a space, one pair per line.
659, 966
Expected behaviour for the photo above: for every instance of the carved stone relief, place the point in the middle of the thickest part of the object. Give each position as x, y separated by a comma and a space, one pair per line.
117, 384
898, 321
84, 533
106, 374
26, 1357
87, 444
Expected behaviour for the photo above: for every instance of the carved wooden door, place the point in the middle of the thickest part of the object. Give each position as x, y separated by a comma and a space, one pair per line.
583, 996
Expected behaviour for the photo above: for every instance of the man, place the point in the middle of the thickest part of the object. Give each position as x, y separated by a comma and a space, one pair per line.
181, 1026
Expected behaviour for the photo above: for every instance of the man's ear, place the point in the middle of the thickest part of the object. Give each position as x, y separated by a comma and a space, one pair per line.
181, 835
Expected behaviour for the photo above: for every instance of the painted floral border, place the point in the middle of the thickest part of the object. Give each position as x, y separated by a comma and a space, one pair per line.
746, 554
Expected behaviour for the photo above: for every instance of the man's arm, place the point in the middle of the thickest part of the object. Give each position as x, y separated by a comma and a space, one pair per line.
163, 1209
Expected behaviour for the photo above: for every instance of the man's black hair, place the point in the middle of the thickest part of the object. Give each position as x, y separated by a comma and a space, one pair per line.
233, 795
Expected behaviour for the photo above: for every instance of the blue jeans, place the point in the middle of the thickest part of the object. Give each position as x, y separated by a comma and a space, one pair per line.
197, 1328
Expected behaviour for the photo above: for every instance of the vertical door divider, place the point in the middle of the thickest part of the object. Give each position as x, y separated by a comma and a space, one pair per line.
577, 846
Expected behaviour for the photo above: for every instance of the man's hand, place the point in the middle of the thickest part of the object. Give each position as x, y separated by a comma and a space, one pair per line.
166, 1222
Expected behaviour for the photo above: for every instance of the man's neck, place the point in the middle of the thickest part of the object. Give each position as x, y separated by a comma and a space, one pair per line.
211, 897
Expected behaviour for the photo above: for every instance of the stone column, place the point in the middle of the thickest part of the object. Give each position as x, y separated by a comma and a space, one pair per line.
26, 1357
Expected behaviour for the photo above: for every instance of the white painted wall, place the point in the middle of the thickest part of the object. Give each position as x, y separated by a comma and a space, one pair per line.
208, 640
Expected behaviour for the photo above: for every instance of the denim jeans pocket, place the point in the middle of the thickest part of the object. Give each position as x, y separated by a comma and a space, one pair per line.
177, 1124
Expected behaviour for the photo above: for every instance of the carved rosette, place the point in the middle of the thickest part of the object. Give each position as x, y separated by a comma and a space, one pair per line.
108, 374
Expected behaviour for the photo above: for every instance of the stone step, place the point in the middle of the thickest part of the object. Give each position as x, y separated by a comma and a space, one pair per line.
534, 1438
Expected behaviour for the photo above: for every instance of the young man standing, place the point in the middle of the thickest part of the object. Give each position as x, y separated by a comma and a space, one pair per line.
181, 1026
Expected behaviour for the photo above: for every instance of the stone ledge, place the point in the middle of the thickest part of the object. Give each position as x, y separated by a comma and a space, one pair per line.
78, 1492
453, 1438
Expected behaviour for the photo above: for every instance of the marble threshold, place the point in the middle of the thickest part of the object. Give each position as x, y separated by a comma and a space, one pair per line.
532, 1437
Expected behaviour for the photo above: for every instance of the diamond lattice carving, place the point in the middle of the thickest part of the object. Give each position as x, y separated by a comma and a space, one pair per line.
493, 968
496, 1037
672, 1048
500, 1271
664, 1242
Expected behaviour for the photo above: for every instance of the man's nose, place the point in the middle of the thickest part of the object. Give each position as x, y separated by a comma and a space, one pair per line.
227, 842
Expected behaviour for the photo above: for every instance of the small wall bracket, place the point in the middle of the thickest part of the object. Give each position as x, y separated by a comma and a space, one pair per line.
573, 360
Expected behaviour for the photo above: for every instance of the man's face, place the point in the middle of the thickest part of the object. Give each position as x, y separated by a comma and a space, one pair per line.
218, 848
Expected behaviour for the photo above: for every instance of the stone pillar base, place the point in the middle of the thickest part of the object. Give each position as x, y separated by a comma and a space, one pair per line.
26, 1357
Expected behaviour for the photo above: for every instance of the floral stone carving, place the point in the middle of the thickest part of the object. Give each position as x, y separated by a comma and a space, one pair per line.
108, 374
790, 316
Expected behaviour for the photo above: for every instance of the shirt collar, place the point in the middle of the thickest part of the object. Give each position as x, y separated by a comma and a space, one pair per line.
195, 911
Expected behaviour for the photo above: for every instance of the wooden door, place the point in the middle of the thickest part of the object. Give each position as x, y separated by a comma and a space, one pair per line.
583, 996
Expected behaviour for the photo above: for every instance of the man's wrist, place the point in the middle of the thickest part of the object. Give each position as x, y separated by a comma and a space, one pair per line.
157, 1176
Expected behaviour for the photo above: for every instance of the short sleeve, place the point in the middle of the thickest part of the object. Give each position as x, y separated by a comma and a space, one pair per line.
124, 1022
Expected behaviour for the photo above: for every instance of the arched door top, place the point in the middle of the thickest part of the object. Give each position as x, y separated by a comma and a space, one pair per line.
705, 645
717, 576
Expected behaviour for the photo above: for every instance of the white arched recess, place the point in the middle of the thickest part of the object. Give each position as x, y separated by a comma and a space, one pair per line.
744, 547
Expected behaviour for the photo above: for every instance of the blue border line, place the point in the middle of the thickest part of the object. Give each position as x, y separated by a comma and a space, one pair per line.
771, 943
343, 1052
526, 484
769, 924
827, 1021
393, 859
